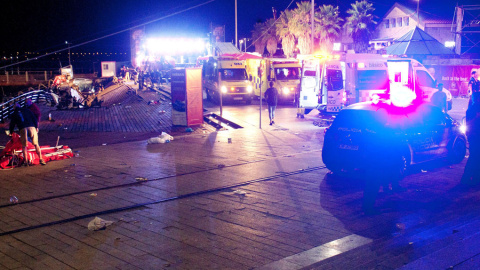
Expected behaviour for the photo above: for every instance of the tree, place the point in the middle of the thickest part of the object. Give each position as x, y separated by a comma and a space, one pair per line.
284, 34
269, 36
300, 26
258, 41
360, 24
327, 26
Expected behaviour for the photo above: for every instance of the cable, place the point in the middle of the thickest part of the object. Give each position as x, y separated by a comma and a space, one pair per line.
109, 35
115, 210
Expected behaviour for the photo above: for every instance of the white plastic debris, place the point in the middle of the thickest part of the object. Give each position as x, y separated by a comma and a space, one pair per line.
98, 224
240, 192
163, 138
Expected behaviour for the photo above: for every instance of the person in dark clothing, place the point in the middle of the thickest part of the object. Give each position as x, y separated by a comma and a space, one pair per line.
473, 87
34, 109
471, 174
271, 96
439, 98
27, 123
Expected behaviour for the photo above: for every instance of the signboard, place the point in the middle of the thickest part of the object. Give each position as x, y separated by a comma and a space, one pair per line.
108, 68
187, 97
178, 92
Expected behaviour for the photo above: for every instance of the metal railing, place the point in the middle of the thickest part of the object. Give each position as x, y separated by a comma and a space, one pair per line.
7, 108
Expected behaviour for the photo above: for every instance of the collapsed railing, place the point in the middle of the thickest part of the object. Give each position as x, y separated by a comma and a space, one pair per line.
6, 109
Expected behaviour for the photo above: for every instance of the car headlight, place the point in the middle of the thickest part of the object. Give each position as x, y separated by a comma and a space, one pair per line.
249, 89
224, 89
285, 90
463, 129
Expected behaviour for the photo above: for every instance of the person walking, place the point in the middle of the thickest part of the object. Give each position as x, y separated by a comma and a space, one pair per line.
471, 173
271, 96
439, 98
27, 123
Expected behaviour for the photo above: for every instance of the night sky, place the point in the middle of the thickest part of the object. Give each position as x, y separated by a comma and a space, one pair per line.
46, 25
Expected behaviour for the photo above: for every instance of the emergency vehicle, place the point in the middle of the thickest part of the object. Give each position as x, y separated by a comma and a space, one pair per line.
284, 73
227, 76
322, 83
364, 77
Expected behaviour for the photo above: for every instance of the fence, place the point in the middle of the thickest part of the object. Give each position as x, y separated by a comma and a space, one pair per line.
29, 77
6, 109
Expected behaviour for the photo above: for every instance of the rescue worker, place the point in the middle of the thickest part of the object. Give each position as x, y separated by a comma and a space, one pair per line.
439, 98
473, 86
271, 95
471, 174
28, 126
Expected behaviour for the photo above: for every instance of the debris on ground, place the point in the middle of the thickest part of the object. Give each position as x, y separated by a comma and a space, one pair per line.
163, 138
141, 179
98, 224
188, 130
220, 166
88, 175
93, 194
240, 192
13, 199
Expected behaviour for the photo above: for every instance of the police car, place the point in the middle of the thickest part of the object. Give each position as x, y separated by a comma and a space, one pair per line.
379, 134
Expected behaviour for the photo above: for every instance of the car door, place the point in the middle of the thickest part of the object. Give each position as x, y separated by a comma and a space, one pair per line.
437, 131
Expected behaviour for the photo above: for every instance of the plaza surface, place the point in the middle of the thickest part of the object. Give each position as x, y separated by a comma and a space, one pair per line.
262, 199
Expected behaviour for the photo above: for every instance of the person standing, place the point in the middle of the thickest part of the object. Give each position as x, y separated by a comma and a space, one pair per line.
271, 96
34, 109
28, 125
473, 86
439, 98
471, 173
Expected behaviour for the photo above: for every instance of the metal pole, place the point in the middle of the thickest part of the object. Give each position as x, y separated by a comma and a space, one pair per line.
260, 123
221, 96
312, 17
236, 32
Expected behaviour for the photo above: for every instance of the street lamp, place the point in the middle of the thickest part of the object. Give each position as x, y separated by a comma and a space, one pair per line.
236, 33
69, 63
241, 44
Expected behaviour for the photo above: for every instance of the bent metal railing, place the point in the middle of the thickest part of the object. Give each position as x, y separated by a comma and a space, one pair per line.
6, 108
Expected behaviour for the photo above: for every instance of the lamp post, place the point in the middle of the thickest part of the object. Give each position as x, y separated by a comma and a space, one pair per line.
312, 17
241, 44
69, 63
236, 33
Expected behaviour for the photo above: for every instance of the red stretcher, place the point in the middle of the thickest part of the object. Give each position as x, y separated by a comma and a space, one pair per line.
12, 155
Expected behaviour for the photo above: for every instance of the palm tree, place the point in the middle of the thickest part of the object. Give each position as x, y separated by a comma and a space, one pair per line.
270, 36
300, 26
327, 26
258, 41
360, 24
284, 34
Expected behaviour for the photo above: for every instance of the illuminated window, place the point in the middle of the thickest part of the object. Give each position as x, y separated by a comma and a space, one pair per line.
393, 22
387, 23
399, 22
406, 21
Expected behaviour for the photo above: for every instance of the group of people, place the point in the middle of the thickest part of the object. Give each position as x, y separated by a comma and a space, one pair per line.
27, 120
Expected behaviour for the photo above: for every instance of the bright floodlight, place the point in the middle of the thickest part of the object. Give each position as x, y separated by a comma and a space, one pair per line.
401, 96
450, 44
175, 46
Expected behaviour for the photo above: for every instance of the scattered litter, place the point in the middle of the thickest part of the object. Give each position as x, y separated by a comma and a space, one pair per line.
410, 243
240, 192
88, 175
141, 179
188, 130
93, 194
65, 128
77, 155
104, 143
401, 226
98, 224
162, 112
73, 164
220, 166
66, 171
128, 106
229, 140
163, 138
424, 171
13, 200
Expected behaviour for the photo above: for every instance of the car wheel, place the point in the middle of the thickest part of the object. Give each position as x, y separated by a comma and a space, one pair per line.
458, 151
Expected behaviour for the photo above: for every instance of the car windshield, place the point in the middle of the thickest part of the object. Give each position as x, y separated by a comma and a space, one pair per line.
287, 73
359, 119
234, 74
